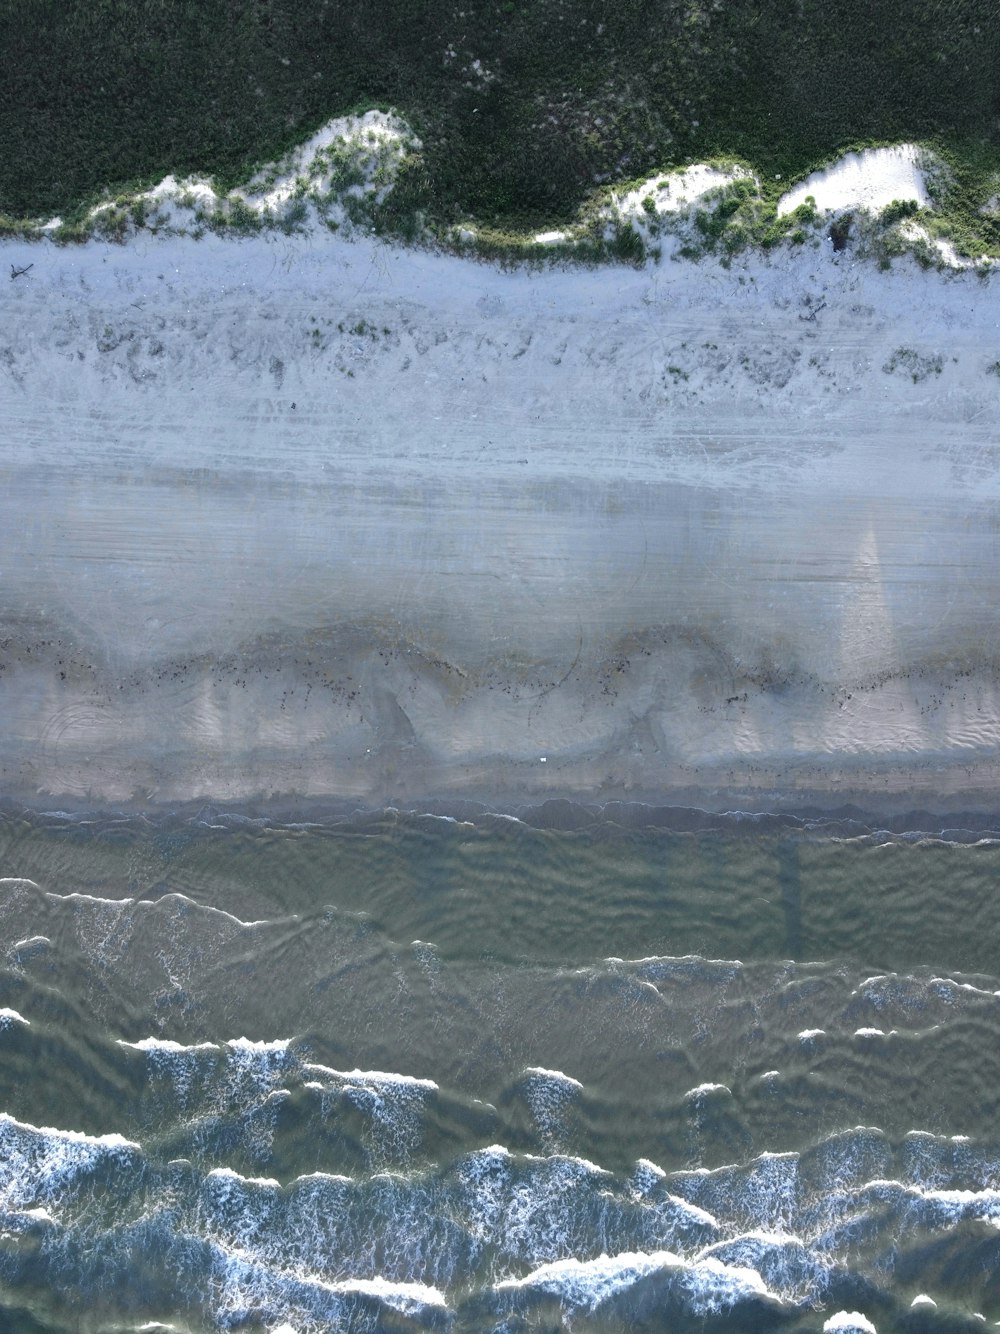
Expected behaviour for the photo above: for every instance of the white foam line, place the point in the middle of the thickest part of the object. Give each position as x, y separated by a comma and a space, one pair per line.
701, 1090
146, 905
259, 1048
647, 1165
72, 1136
577, 1161
848, 1322
556, 1075
270, 1183
563, 1158
598, 1275
34, 1215
854, 1130
336, 1177
208, 907
167, 1045
501, 1151
444, 819
768, 1156
242, 1045
8, 1017
371, 1076
678, 958
418, 1293
759, 1235
694, 1212
982, 1205
407, 1298
77, 897
588, 1283
492, 1151
221, 912
963, 986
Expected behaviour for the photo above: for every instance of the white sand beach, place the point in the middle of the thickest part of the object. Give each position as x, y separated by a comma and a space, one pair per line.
325, 517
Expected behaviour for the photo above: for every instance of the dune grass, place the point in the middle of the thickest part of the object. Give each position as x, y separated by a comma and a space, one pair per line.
524, 106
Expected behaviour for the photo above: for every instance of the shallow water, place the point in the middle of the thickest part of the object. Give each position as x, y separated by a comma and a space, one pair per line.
581, 1069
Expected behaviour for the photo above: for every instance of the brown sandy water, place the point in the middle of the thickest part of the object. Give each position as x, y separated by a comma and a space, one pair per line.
402, 1070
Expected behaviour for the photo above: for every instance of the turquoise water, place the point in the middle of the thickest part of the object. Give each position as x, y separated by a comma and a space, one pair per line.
584, 1069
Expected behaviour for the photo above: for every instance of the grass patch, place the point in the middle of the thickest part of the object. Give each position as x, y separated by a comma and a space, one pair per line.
914, 364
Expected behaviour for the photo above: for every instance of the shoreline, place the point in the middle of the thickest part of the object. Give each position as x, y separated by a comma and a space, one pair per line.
948, 822
345, 522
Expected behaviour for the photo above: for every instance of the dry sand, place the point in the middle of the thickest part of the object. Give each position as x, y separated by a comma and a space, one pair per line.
313, 517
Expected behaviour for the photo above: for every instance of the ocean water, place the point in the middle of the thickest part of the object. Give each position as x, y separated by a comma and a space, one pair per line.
571, 1069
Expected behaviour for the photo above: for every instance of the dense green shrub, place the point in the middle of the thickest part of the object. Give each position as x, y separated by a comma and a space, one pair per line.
103, 94
897, 210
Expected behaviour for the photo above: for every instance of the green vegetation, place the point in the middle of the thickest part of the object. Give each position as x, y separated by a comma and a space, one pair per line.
898, 210
524, 107
915, 365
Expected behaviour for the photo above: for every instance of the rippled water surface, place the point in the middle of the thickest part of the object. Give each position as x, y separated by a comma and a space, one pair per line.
630, 1069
